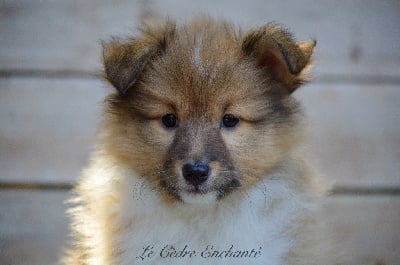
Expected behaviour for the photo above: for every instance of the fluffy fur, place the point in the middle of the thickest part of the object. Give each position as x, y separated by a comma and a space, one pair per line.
133, 204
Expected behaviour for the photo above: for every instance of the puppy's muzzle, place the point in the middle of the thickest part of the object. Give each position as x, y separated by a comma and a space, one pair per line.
195, 174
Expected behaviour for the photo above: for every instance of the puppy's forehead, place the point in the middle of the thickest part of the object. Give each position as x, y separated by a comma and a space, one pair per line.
204, 88
203, 71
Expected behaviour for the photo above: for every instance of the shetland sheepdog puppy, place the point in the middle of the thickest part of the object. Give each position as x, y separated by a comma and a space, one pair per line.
196, 159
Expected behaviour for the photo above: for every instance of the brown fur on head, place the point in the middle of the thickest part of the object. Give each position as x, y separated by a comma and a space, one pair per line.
209, 76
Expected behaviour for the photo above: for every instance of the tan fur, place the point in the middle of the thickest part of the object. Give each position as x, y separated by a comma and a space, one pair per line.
199, 72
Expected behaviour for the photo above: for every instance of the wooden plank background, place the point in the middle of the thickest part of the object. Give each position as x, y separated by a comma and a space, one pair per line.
50, 103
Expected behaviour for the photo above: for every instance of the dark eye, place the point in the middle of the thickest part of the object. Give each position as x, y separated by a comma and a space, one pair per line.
229, 121
169, 120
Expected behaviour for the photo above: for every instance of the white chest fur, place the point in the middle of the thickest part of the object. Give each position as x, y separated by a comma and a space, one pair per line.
247, 227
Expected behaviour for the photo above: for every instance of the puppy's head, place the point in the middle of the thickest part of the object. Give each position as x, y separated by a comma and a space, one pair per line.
203, 110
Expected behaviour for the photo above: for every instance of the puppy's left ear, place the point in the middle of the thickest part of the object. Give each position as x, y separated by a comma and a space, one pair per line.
281, 57
124, 60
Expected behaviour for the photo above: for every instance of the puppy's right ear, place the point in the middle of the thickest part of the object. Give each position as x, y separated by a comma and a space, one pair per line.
124, 60
279, 55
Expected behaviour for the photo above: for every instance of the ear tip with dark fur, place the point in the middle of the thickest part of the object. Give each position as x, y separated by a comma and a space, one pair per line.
307, 47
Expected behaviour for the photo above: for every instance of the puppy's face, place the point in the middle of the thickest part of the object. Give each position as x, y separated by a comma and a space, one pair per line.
203, 110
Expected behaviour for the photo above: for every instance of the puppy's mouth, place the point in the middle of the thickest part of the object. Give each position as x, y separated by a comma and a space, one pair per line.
196, 189
201, 194
222, 189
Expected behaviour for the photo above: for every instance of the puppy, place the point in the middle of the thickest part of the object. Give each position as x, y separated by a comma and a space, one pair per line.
196, 161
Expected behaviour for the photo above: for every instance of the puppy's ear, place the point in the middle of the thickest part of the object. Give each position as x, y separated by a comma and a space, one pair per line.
275, 50
124, 60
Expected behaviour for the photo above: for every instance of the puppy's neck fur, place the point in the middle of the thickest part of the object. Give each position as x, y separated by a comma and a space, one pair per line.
257, 219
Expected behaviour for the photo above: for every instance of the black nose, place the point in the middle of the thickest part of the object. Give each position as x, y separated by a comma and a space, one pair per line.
195, 173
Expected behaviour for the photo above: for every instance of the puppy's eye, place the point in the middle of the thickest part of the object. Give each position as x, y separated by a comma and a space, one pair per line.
229, 121
169, 120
